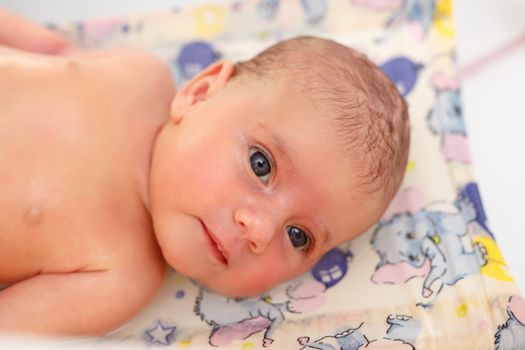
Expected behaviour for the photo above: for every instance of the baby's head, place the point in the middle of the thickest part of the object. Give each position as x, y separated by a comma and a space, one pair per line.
265, 165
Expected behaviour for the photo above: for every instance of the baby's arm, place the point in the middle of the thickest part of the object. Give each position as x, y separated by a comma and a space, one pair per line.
19, 33
79, 303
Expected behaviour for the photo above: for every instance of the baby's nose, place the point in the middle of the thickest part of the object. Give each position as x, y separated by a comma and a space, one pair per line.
257, 227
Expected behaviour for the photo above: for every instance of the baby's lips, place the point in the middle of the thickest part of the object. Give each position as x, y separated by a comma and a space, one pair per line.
220, 246
218, 242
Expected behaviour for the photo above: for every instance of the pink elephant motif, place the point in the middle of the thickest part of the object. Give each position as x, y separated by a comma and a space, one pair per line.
456, 147
400, 272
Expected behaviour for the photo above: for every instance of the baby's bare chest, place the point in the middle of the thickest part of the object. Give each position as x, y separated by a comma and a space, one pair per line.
58, 206
48, 213
65, 195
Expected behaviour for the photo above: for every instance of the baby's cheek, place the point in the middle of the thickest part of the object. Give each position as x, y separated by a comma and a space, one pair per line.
175, 234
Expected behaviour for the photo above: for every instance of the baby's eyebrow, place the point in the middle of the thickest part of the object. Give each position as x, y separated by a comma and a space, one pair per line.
279, 144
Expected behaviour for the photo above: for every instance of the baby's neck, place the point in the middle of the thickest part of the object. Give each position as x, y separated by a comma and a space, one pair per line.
145, 170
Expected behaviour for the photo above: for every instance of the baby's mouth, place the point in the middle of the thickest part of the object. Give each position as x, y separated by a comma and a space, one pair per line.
216, 248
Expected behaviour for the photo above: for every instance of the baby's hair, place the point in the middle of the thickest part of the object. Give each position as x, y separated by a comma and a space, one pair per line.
371, 115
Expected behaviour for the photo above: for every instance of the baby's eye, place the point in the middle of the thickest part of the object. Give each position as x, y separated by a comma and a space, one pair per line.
260, 164
298, 238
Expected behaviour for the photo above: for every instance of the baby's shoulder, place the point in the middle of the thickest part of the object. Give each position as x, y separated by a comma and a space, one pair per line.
131, 69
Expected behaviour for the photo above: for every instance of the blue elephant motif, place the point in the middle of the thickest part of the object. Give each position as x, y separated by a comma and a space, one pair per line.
350, 339
446, 116
427, 244
403, 328
445, 119
402, 332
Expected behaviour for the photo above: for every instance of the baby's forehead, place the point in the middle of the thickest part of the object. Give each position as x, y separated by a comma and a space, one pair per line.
319, 108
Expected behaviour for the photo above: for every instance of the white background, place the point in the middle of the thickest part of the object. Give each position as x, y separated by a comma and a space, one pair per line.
493, 99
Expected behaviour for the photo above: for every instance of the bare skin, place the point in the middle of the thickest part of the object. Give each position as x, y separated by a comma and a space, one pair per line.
75, 156
108, 174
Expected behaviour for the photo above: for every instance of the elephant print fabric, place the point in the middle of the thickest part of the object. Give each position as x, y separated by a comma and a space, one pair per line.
446, 119
428, 275
235, 319
427, 244
402, 331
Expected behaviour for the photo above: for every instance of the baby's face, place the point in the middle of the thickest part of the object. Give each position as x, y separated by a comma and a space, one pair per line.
251, 189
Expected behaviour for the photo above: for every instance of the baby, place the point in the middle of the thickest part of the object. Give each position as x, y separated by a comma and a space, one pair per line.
241, 179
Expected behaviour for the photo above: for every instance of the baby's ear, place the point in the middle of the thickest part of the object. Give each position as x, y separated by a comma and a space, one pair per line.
201, 87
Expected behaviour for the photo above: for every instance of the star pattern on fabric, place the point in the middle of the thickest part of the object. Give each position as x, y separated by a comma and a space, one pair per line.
160, 334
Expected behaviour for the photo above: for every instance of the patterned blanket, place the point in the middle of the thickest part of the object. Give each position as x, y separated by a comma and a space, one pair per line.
428, 275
